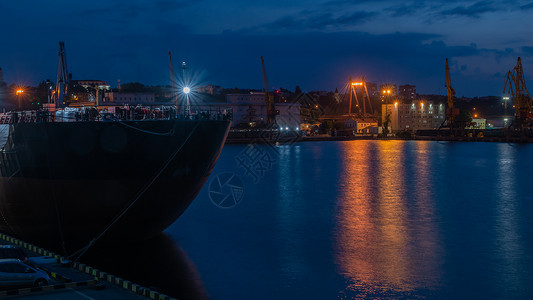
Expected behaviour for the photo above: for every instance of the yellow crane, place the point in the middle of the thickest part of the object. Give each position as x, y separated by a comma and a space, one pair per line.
362, 85
515, 85
451, 111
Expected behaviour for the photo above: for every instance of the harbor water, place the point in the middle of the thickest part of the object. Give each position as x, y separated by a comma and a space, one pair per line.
354, 219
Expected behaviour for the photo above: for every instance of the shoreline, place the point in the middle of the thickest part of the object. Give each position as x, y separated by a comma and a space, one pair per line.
294, 139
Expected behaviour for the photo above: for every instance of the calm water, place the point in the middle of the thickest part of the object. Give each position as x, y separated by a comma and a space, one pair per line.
379, 219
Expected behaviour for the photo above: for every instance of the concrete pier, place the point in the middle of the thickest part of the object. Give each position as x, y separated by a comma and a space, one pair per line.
77, 281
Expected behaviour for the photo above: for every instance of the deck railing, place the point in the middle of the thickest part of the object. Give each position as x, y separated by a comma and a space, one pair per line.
124, 113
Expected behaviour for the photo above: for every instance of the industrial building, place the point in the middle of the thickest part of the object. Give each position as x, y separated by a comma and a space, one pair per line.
478, 123
209, 89
407, 93
417, 115
360, 125
120, 98
251, 110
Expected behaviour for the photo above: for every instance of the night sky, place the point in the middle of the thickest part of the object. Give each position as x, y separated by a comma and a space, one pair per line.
314, 44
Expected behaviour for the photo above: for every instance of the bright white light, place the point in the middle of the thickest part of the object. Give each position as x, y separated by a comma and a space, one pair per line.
186, 90
297, 128
286, 128
281, 128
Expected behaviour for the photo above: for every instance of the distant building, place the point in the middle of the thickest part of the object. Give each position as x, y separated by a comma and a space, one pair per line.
209, 89
251, 109
388, 93
99, 86
417, 115
289, 116
248, 108
407, 92
1, 76
388, 89
478, 123
372, 89
360, 125
95, 84
121, 98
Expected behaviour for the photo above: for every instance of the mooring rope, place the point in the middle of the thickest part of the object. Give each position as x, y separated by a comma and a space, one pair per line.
171, 132
139, 195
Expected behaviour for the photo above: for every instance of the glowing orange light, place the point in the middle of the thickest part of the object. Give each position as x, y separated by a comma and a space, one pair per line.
357, 83
19, 91
475, 116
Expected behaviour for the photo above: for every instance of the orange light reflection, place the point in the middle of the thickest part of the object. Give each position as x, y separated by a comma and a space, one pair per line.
377, 243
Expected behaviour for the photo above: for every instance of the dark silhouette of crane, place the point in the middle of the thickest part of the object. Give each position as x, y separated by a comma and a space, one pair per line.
269, 98
63, 77
515, 85
451, 111
353, 86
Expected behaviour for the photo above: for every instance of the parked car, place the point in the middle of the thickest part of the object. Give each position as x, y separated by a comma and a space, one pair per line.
10, 251
14, 273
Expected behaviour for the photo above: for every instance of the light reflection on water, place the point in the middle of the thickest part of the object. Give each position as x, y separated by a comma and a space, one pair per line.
508, 240
290, 182
376, 219
379, 248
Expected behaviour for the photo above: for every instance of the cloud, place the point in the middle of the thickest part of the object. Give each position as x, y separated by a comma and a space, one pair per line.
405, 9
133, 9
527, 6
474, 11
527, 50
314, 22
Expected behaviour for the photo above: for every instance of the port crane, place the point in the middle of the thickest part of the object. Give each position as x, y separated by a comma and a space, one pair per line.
173, 85
451, 111
515, 85
269, 98
63, 77
353, 92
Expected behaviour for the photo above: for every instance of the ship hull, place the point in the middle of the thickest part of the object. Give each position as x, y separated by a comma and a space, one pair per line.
64, 184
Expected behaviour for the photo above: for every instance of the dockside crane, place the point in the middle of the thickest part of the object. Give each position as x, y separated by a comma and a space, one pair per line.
451, 111
269, 98
173, 83
63, 77
353, 86
515, 85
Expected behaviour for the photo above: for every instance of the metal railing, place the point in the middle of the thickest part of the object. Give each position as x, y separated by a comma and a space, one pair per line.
124, 113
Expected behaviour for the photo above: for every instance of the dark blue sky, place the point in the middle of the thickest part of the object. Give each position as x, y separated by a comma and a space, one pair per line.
314, 44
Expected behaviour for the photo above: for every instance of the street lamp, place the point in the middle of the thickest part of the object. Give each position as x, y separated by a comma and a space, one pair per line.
187, 90
505, 100
19, 93
386, 95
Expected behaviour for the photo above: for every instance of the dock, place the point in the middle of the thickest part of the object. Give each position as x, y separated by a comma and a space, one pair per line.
74, 281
